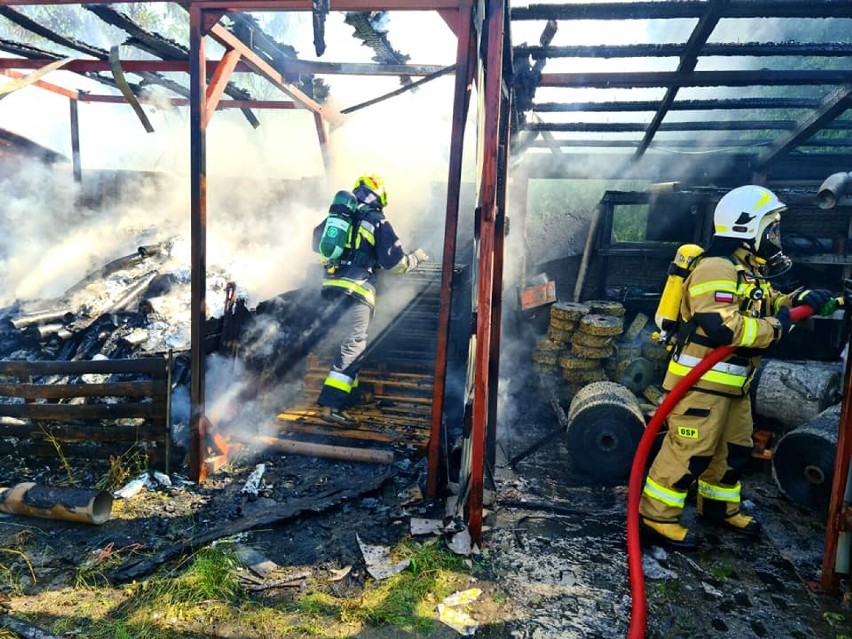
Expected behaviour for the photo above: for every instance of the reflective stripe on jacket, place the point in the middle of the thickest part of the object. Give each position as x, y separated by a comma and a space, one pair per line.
376, 246
726, 305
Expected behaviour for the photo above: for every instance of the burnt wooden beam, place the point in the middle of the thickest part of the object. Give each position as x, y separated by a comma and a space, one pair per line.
758, 77
166, 49
662, 167
144, 365
706, 24
101, 54
750, 104
673, 50
684, 9
709, 125
137, 567
66, 391
632, 144
84, 411
688, 144
834, 105
82, 432
358, 68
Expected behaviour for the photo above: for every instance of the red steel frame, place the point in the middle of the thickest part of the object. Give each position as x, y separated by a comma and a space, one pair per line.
205, 99
839, 512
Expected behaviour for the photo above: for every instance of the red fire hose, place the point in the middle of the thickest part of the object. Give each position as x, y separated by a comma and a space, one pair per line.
634, 487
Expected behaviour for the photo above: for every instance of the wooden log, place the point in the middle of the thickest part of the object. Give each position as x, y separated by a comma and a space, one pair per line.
345, 453
788, 394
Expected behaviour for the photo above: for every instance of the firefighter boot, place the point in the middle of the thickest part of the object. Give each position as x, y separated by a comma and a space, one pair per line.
670, 534
715, 512
362, 394
337, 416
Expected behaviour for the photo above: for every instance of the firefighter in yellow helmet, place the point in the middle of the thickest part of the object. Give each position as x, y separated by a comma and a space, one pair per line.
350, 282
726, 300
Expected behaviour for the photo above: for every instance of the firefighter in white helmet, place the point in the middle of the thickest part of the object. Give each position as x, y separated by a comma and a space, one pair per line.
726, 300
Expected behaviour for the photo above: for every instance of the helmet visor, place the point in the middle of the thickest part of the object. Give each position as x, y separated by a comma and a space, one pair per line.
769, 240
770, 250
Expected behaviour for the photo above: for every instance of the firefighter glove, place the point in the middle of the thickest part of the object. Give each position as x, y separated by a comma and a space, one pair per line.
819, 299
784, 322
416, 257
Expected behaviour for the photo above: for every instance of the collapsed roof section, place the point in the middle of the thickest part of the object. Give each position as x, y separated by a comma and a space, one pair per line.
699, 90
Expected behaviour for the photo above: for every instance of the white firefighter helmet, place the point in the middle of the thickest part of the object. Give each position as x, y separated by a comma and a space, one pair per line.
752, 214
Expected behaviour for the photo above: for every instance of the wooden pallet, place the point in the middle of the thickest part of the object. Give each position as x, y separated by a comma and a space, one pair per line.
400, 416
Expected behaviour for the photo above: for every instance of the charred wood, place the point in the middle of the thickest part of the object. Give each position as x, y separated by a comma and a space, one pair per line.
141, 388
150, 365
84, 411
79, 432
120, 264
281, 512
24, 629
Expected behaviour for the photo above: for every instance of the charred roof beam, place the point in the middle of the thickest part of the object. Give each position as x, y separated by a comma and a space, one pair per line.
686, 144
834, 105
758, 77
688, 60
685, 9
678, 105
707, 125
27, 23
753, 49
660, 167
165, 49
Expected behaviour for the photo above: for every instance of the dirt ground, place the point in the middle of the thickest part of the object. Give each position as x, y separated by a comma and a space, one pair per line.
554, 562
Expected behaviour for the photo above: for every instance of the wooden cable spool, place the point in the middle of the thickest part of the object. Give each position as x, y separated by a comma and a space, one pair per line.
803, 461
605, 425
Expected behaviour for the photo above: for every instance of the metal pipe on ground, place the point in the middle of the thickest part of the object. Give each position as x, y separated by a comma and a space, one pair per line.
80, 505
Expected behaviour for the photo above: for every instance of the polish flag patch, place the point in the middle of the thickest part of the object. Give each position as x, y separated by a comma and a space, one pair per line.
724, 296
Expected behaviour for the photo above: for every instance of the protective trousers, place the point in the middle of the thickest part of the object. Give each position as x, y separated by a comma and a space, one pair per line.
353, 321
709, 439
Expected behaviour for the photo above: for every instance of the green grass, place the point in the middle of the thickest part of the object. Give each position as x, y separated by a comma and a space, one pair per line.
204, 591
407, 600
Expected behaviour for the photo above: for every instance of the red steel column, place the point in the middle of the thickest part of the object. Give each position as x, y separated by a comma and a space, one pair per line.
198, 232
497, 293
492, 91
465, 66
836, 522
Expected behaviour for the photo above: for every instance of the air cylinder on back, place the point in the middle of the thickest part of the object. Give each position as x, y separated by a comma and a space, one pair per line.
605, 425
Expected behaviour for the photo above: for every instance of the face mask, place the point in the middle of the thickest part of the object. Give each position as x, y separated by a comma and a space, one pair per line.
770, 254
